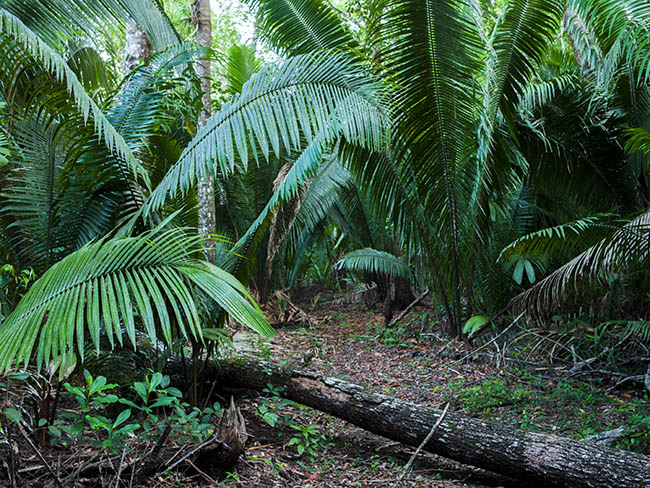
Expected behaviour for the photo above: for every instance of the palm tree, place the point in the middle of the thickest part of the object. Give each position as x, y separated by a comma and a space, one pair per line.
120, 268
452, 155
599, 238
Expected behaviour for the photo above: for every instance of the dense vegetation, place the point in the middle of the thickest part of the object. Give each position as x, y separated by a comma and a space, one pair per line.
495, 153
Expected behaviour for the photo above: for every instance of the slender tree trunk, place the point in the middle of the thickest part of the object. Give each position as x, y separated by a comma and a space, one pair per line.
207, 219
137, 47
542, 460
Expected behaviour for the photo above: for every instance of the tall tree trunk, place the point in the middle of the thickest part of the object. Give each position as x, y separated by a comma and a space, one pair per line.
207, 219
137, 47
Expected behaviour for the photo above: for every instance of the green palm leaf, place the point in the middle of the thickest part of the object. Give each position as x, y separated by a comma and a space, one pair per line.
240, 65
50, 61
612, 250
375, 262
301, 26
620, 22
521, 37
107, 284
563, 239
278, 108
91, 17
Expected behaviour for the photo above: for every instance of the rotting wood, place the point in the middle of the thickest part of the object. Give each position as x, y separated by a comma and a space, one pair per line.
542, 459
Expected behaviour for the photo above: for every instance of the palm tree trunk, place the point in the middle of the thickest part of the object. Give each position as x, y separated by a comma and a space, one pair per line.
137, 47
207, 219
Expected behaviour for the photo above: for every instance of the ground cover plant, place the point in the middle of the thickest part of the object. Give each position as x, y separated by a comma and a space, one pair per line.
444, 202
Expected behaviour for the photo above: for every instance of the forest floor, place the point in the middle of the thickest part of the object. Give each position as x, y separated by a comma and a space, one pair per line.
349, 341
291, 445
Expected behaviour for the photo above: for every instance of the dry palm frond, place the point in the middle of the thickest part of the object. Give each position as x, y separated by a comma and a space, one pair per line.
617, 253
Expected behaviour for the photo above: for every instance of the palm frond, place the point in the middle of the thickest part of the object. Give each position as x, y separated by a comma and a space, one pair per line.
238, 261
566, 238
135, 110
639, 141
240, 65
306, 95
309, 209
374, 262
639, 328
301, 26
31, 192
625, 22
91, 17
434, 51
98, 287
520, 38
616, 252
50, 61
91, 69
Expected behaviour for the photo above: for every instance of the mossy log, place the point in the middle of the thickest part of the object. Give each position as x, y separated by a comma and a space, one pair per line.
543, 460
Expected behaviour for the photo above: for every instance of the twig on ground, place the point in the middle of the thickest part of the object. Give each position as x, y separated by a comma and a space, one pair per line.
82, 466
119, 470
404, 312
470, 354
205, 476
637, 377
38, 453
211, 440
424, 442
553, 341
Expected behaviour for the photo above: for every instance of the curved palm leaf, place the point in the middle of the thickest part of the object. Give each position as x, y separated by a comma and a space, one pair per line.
277, 108
614, 252
625, 22
566, 238
301, 26
73, 18
375, 262
100, 285
50, 61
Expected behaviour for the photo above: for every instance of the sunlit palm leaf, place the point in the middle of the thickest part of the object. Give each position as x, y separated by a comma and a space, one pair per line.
240, 65
278, 108
106, 285
376, 262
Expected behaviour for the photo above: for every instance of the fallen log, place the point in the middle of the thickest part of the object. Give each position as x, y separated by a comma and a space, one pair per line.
542, 459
